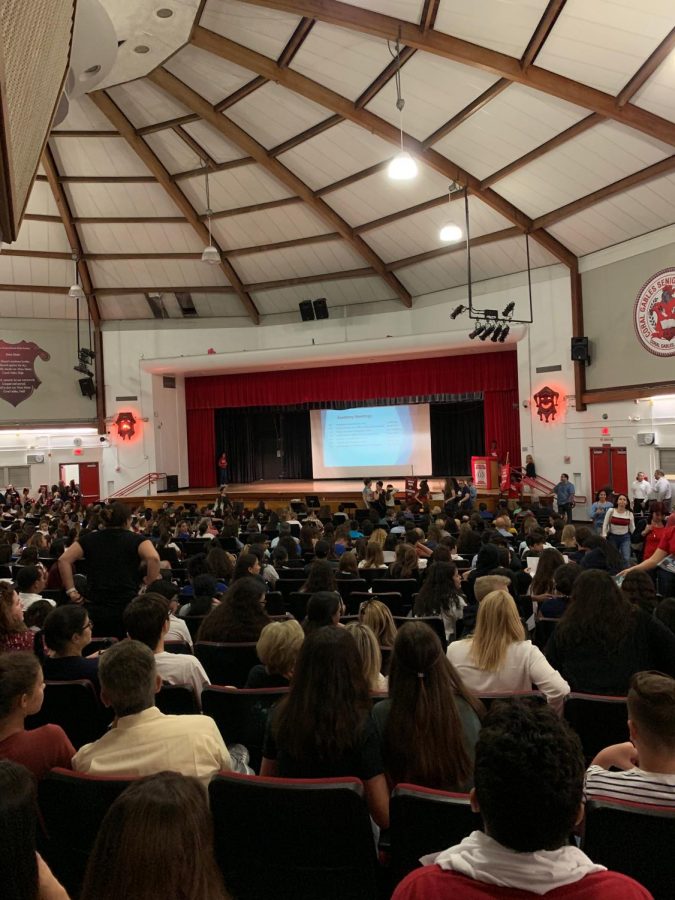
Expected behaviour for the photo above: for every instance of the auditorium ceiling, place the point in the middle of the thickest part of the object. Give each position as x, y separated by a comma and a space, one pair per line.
558, 118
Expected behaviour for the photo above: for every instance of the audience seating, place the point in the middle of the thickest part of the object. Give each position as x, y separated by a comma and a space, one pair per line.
278, 837
598, 720
297, 604
177, 646
636, 839
75, 707
406, 587
55, 595
241, 715
227, 663
348, 586
193, 623
425, 821
490, 697
288, 586
543, 629
73, 805
274, 603
97, 644
177, 700
434, 622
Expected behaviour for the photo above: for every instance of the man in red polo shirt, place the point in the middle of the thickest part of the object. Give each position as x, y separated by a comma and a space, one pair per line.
529, 776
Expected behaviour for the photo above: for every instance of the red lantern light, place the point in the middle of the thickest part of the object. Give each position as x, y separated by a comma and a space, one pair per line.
126, 423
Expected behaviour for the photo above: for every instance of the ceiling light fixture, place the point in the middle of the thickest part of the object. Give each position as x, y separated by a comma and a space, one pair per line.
450, 234
75, 291
164, 13
210, 254
402, 167
142, 48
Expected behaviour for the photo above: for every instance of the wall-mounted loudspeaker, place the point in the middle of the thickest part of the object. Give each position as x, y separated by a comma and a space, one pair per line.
87, 388
580, 352
321, 308
306, 311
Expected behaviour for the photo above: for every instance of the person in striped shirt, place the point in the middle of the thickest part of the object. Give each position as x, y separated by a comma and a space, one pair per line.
646, 763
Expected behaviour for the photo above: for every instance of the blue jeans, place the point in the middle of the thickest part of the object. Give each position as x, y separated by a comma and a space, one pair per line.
622, 544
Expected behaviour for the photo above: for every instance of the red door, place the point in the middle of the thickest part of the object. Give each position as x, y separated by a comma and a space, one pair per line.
89, 483
609, 466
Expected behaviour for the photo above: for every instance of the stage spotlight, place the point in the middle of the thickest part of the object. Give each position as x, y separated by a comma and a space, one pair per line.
504, 334
487, 332
508, 309
496, 334
476, 332
457, 311
83, 370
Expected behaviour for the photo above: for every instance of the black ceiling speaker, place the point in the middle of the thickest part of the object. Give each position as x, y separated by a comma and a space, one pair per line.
321, 308
87, 388
306, 311
580, 351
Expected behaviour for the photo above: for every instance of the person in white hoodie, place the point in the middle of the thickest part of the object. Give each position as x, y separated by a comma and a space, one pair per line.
529, 775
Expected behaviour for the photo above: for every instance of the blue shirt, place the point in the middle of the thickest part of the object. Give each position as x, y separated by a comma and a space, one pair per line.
564, 492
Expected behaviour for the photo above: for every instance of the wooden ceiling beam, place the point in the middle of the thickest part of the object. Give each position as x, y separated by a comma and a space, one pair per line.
240, 93
295, 42
306, 135
216, 167
541, 32
493, 91
559, 139
365, 272
167, 123
346, 15
664, 167
196, 147
429, 13
385, 76
647, 69
83, 134
170, 289
181, 92
34, 288
129, 220
351, 179
492, 238
253, 208
403, 213
100, 179
226, 49
117, 118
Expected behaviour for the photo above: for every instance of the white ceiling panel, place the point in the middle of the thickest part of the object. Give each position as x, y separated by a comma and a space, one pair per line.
154, 273
140, 237
266, 31
35, 270
295, 262
173, 152
343, 292
145, 104
96, 156
512, 124
36, 306
242, 186
217, 306
41, 200
503, 26
639, 210
590, 161
658, 94
604, 42
41, 236
84, 115
273, 114
408, 10
268, 226
342, 60
419, 233
126, 306
336, 153
210, 76
213, 142
434, 90
377, 195
93, 200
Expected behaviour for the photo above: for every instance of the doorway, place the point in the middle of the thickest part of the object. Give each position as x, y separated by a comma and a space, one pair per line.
609, 466
86, 476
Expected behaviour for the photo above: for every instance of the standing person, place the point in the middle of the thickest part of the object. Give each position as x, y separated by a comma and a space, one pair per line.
564, 494
222, 469
663, 490
619, 525
530, 469
113, 557
653, 530
663, 559
640, 490
599, 510
494, 450
367, 492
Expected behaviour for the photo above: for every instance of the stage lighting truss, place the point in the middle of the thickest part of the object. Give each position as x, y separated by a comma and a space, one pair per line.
490, 323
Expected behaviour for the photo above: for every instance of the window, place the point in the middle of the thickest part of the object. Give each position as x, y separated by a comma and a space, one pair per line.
667, 461
19, 476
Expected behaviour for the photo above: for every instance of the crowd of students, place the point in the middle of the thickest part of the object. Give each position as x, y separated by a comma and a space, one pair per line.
366, 695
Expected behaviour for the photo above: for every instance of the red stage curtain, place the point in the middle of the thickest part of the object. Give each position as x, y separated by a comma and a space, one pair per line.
494, 374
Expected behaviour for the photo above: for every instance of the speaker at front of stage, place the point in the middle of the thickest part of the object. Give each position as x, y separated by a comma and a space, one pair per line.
580, 351
321, 308
172, 482
306, 311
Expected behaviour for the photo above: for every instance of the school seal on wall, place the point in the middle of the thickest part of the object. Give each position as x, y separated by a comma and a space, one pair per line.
654, 313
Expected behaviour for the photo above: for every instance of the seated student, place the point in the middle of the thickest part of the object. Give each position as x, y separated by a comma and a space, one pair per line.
324, 609
481, 588
647, 761
13, 632
347, 566
241, 615
21, 695
371, 656
144, 741
377, 616
205, 597
30, 582
67, 631
528, 788
146, 619
277, 649
563, 582
178, 630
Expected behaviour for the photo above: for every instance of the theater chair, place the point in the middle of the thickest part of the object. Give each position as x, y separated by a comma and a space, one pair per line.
636, 839
278, 838
297, 604
393, 601
348, 586
274, 604
178, 646
74, 706
177, 700
543, 629
227, 663
287, 586
598, 720
434, 622
424, 821
488, 698
193, 624
241, 715
73, 805
97, 644
406, 587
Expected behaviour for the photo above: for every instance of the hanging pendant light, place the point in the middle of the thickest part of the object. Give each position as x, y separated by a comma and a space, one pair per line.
403, 166
210, 253
75, 291
451, 233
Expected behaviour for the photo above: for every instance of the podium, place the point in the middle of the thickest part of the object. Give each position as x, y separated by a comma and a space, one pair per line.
485, 473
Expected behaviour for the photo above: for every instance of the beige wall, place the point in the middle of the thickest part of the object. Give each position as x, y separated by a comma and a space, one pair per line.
618, 358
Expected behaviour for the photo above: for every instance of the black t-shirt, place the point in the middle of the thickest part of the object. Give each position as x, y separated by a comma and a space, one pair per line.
113, 564
363, 760
71, 668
